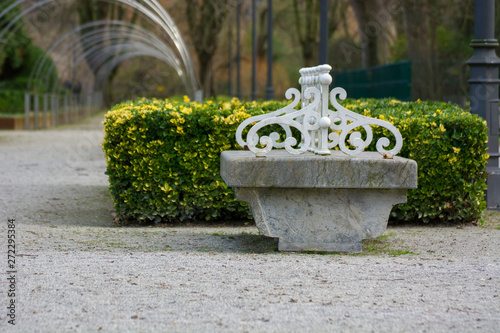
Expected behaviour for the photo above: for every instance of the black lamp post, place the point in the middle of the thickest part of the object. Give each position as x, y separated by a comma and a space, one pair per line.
230, 58
238, 49
254, 51
323, 32
484, 83
269, 88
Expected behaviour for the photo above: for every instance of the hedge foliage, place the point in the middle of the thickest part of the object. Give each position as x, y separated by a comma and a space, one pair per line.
163, 157
450, 147
11, 101
12, 94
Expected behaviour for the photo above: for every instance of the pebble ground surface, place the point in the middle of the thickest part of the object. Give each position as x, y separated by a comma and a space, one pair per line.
77, 271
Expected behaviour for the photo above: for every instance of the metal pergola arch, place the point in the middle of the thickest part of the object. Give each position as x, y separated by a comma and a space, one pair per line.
113, 34
150, 8
103, 73
101, 55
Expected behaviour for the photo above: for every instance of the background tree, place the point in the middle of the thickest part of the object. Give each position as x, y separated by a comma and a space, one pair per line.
97, 10
437, 35
205, 19
434, 34
375, 23
17, 52
306, 19
420, 31
369, 44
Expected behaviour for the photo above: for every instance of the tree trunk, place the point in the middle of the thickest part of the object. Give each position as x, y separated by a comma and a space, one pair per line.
205, 18
370, 29
306, 14
421, 44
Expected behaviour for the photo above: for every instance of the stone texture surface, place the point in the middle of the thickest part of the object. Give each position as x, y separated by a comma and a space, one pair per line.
321, 219
338, 170
319, 203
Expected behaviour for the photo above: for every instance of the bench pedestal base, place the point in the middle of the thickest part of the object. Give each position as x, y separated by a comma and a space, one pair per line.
334, 220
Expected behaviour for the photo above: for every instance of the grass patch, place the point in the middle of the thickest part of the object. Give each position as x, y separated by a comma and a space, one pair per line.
401, 252
385, 236
381, 245
224, 235
115, 244
384, 244
376, 246
491, 220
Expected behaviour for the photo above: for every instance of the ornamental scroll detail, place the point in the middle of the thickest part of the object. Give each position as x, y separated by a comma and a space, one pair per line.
320, 128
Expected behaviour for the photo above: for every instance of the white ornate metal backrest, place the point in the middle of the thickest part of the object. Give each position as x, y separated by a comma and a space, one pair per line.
321, 129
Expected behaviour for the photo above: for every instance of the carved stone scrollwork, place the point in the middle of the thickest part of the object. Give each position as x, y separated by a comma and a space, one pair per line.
320, 128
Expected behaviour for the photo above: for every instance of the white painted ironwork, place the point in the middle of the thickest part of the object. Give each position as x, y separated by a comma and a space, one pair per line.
321, 129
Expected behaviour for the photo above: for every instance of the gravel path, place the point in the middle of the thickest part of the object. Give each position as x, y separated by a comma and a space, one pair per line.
77, 272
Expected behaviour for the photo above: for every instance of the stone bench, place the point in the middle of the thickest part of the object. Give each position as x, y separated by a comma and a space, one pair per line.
309, 196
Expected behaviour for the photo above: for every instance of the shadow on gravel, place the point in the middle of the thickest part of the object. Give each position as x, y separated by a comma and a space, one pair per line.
64, 205
248, 243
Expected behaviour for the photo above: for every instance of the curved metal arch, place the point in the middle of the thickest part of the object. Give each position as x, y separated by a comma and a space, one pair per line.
99, 79
113, 50
81, 41
161, 18
116, 35
40, 62
21, 15
103, 55
107, 53
103, 73
147, 42
107, 66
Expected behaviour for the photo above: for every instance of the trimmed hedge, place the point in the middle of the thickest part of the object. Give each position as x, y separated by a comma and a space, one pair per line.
450, 147
163, 157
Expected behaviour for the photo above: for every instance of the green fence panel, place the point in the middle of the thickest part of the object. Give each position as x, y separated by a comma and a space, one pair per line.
392, 80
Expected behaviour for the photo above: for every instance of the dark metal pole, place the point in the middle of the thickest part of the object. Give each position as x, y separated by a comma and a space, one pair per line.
269, 88
323, 32
36, 104
484, 83
230, 58
254, 51
238, 49
27, 109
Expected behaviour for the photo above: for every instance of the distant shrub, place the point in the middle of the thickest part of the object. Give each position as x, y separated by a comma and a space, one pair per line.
11, 101
163, 157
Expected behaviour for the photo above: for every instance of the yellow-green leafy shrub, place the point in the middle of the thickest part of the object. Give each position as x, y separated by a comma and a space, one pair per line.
450, 146
164, 156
